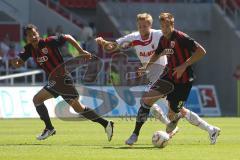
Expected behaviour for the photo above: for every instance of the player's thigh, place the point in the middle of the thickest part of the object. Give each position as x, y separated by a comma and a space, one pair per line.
158, 90
149, 98
42, 96
178, 97
164, 87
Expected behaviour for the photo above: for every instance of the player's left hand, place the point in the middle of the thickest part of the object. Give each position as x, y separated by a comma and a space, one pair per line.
179, 70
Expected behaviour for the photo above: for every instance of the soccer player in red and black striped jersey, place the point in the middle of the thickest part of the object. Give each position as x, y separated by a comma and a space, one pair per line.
47, 56
180, 74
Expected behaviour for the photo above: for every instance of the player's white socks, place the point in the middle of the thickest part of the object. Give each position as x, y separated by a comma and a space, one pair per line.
194, 119
158, 114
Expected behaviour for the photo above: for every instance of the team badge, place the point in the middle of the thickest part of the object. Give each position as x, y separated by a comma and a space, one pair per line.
172, 44
45, 50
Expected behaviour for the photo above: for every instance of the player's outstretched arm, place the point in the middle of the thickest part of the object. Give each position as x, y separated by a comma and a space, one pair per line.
17, 62
153, 59
107, 45
73, 42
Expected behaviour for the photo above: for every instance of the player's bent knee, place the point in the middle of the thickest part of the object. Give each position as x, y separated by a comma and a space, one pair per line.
37, 100
184, 111
145, 105
146, 101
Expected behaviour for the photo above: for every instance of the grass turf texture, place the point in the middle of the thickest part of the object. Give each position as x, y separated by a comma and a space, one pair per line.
86, 140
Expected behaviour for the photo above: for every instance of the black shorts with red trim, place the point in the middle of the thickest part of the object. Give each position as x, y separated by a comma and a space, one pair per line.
62, 86
177, 95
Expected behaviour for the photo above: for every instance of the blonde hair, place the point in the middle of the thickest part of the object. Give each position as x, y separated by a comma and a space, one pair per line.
165, 16
145, 16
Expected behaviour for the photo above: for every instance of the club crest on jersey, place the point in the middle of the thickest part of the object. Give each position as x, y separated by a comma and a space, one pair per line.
45, 50
172, 44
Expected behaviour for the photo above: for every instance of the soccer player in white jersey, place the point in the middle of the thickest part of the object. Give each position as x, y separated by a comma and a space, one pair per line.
145, 42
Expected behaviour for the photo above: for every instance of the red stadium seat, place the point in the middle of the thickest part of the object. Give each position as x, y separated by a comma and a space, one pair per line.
79, 3
136, 1
238, 3
105, 34
149, 1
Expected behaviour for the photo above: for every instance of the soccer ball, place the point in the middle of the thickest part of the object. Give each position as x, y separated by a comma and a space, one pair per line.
160, 139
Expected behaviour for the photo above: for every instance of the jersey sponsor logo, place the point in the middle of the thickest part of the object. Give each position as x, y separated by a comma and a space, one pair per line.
45, 50
146, 54
172, 44
42, 59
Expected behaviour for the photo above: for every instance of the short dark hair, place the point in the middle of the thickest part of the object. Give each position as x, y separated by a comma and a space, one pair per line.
29, 27
165, 16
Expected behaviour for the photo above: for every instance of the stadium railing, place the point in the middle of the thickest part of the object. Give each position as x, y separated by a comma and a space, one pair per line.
25, 74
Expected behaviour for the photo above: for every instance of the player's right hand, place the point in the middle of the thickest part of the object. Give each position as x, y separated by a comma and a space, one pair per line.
16, 62
108, 47
99, 40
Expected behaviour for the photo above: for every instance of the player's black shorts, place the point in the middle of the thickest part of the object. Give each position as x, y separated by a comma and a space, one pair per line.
62, 86
177, 96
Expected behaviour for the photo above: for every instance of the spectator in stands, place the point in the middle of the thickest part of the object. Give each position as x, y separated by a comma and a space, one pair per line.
4, 48
91, 45
50, 31
58, 30
237, 72
11, 54
86, 32
93, 27
113, 76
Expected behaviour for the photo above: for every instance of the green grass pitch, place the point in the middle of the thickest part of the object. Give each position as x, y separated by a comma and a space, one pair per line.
86, 140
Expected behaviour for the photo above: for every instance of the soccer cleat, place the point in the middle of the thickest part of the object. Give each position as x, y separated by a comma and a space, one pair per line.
213, 134
171, 134
132, 139
46, 133
109, 130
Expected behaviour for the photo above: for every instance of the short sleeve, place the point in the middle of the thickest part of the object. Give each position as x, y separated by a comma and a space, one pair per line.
189, 43
26, 53
126, 38
57, 41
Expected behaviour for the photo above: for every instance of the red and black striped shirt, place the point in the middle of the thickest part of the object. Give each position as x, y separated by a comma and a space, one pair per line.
183, 46
47, 56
